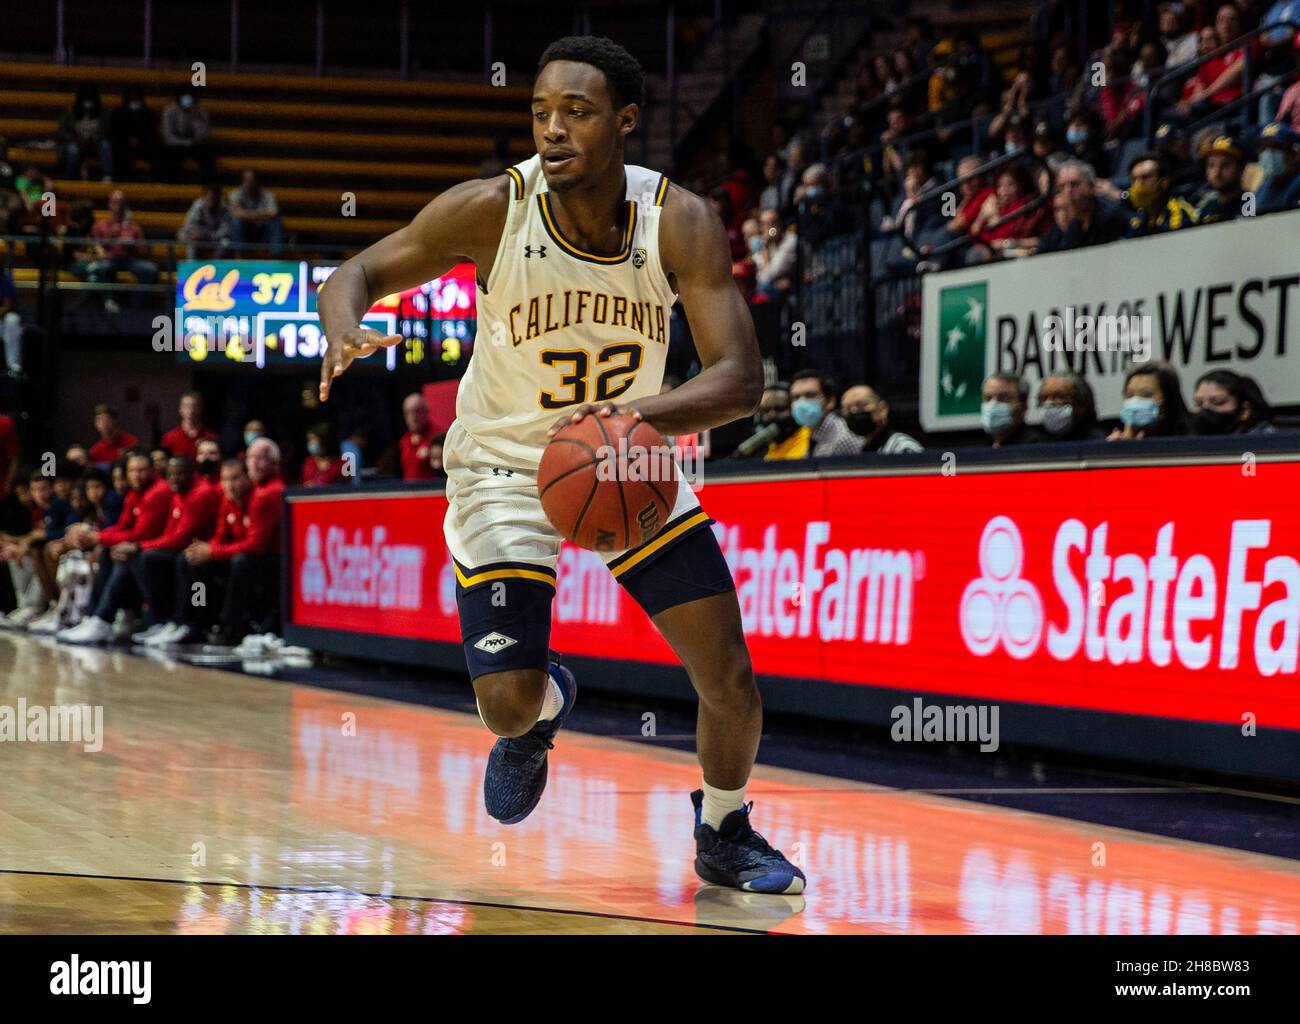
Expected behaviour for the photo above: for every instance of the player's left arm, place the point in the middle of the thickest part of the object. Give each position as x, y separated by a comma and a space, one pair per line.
693, 248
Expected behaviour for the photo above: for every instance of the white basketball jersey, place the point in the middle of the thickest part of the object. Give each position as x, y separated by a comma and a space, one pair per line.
558, 326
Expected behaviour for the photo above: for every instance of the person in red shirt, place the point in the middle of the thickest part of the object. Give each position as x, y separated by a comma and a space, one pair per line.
9, 452
250, 564
193, 516
324, 464
119, 248
1218, 82
112, 441
415, 442
184, 440
144, 516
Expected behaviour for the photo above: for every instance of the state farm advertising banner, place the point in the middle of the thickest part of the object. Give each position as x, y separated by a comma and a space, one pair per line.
1169, 591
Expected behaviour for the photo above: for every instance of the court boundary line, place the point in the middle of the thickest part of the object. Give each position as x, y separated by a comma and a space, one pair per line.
343, 891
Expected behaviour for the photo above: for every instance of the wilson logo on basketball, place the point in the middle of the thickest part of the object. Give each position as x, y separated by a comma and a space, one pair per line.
360, 572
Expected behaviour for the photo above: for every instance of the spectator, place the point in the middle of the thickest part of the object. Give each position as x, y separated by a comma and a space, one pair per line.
253, 429
184, 439
78, 255
255, 215
1176, 35
1288, 111
1156, 209
812, 407
115, 497
1150, 65
972, 194
796, 162
1069, 409
1122, 98
1002, 413
207, 225
1086, 218
113, 442
996, 226
144, 516
183, 618
207, 460
1221, 199
186, 131
893, 154
1083, 139
118, 238
1279, 160
1153, 404
435, 456
84, 132
791, 441
324, 462
1185, 172
1226, 402
1045, 145
78, 457
772, 172
417, 439
11, 325
1218, 81
919, 39
193, 516
867, 415
776, 261
134, 134
250, 565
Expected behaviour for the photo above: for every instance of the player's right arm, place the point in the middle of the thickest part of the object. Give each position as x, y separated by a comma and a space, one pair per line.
463, 224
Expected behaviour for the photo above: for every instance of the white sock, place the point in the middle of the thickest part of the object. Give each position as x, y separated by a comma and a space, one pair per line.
553, 702
718, 803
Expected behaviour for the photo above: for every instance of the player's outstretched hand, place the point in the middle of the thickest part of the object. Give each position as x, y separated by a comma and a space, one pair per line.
603, 409
341, 349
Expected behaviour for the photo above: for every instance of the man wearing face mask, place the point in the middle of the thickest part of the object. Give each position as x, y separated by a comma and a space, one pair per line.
812, 405
1226, 402
867, 415
1156, 210
774, 410
1279, 159
1002, 413
186, 134
207, 460
135, 134
1069, 409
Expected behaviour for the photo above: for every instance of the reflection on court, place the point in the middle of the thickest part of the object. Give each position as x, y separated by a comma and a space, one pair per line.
226, 803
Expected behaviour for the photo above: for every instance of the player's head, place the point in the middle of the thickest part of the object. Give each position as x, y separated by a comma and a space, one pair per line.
586, 101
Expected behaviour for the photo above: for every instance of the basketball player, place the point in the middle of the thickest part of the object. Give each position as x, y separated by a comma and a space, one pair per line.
580, 258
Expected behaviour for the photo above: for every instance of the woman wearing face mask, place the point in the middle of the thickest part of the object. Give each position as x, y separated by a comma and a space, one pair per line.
1069, 410
324, 464
1225, 402
1153, 404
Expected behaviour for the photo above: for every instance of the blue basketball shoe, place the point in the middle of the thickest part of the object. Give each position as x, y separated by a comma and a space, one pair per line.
516, 768
737, 856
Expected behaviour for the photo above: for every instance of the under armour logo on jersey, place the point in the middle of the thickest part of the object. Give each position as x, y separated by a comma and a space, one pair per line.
638, 258
530, 249
501, 471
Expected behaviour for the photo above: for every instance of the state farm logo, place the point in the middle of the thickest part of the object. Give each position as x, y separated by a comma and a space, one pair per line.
360, 571
1000, 608
1160, 605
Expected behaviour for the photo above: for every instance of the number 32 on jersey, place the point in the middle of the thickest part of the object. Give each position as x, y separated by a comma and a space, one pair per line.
620, 361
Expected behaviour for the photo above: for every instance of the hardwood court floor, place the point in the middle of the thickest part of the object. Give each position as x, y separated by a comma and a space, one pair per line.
222, 803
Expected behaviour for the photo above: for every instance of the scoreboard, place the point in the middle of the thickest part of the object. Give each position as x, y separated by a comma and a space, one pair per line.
263, 314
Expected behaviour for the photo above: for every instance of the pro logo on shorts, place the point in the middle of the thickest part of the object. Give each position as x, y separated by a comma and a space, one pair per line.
494, 643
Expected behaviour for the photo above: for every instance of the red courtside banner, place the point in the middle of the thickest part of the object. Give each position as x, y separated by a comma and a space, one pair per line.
1170, 591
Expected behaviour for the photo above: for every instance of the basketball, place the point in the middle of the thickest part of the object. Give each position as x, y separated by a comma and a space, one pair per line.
607, 483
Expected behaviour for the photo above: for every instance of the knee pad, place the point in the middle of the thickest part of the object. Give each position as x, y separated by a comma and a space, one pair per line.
505, 624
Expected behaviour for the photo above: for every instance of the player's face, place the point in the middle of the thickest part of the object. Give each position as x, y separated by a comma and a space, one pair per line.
576, 127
